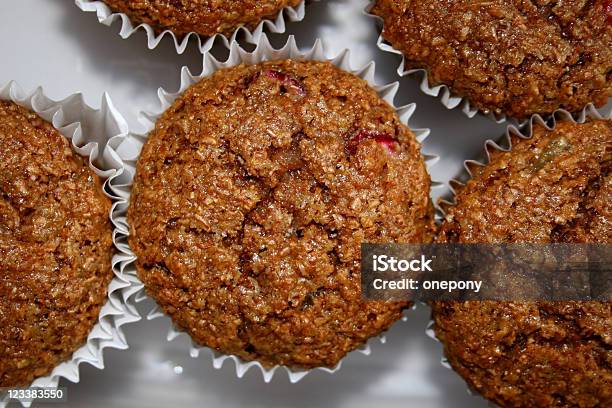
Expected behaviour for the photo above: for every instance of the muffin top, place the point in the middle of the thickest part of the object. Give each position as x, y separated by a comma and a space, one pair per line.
55, 247
508, 56
530, 354
554, 187
252, 196
205, 17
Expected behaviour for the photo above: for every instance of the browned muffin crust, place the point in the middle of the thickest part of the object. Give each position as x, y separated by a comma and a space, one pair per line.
55, 247
528, 354
205, 17
555, 187
252, 196
514, 57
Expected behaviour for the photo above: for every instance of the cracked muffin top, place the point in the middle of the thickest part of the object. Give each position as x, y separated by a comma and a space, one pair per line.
205, 17
508, 57
55, 247
251, 198
554, 187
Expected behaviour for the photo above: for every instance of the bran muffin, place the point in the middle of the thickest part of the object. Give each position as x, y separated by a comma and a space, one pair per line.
555, 187
55, 247
251, 198
205, 17
512, 57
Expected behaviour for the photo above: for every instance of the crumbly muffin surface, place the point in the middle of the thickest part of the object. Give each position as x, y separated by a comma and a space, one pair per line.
252, 196
530, 354
555, 187
205, 17
514, 57
55, 247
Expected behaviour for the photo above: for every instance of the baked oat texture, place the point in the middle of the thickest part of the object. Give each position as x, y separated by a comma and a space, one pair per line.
252, 196
205, 17
55, 247
555, 187
508, 57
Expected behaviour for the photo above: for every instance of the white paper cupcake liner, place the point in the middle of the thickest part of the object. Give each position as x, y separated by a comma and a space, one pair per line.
107, 17
505, 145
130, 150
88, 130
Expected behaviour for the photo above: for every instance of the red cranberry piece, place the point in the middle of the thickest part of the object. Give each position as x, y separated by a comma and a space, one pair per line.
383, 139
287, 80
608, 8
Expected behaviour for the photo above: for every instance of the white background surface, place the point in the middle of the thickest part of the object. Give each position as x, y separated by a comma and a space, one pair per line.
51, 43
